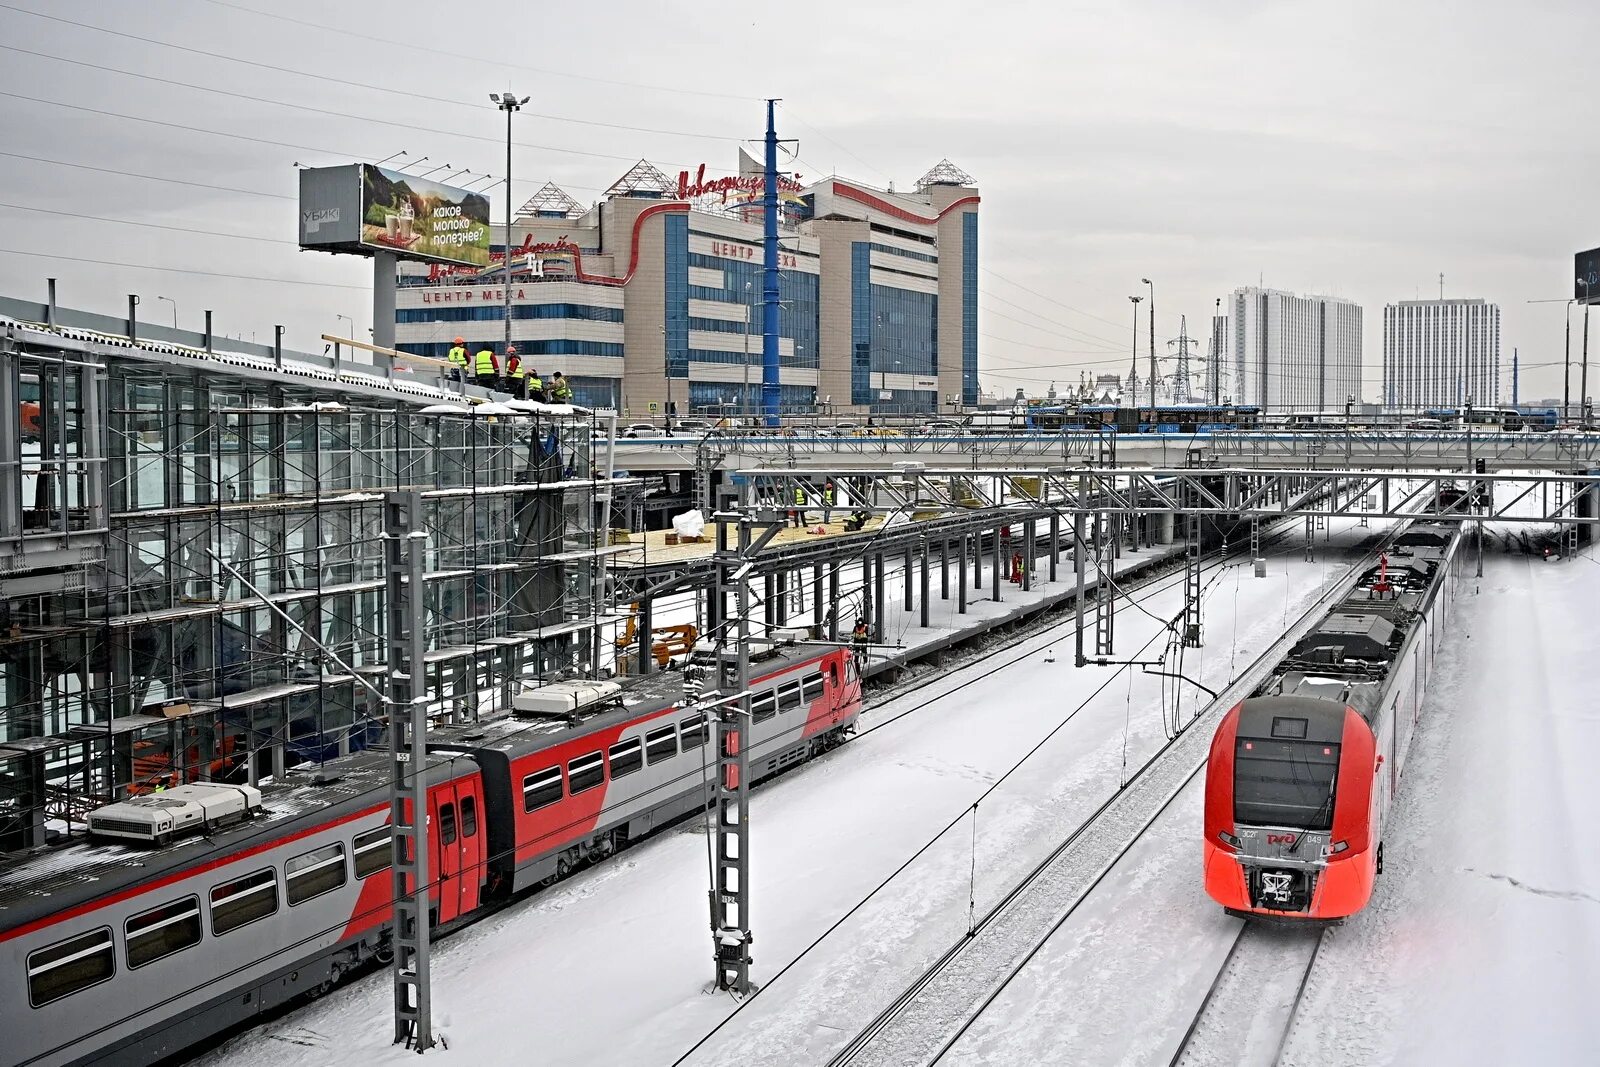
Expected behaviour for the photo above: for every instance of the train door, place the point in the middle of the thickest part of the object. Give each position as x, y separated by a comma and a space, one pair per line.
458, 839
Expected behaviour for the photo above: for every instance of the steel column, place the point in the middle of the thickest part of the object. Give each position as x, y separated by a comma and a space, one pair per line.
924, 586
405, 533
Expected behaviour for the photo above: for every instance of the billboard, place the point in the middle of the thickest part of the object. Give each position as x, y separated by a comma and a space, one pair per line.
1586, 275
362, 209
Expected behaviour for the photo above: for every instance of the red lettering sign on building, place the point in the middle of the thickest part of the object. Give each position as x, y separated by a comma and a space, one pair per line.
750, 185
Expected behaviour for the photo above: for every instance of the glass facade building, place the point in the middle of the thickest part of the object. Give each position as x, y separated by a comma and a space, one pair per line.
877, 295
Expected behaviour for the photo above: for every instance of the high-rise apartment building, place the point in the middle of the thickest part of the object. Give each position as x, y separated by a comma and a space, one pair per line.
1440, 354
1292, 353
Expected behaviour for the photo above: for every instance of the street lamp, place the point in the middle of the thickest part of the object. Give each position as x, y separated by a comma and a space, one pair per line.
352, 323
1152, 286
174, 304
1133, 373
508, 103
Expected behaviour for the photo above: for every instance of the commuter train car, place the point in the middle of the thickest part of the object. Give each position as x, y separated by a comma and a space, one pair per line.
119, 951
1302, 774
1169, 418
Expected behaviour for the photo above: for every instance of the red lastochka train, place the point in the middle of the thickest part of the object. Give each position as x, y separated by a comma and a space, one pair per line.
1303, 773
193, 910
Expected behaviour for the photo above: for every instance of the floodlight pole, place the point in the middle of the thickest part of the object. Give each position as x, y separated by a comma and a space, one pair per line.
509, 104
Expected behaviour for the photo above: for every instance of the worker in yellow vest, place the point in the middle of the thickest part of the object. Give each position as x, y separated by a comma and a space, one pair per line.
458, 361
827, 501
560, 391
536, 387
516, 374
486, 368
798, 515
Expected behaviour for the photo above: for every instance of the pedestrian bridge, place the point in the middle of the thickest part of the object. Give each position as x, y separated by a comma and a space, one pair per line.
1366, 450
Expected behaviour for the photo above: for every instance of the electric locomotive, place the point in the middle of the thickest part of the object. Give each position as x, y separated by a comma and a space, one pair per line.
1302, 773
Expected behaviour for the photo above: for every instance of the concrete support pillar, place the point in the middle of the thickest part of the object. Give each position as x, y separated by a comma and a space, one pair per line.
977, 561
879, 594
906, 576
999, 565
783, 598
1029, 539
1165, 524
816, 597
961, 577
769, 600
1055, 542
924, 561
944, 569
833, 602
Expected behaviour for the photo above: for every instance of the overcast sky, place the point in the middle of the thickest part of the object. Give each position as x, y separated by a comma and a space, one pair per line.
1358, 149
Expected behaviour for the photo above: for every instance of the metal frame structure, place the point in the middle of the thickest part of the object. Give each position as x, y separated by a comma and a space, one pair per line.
192, 569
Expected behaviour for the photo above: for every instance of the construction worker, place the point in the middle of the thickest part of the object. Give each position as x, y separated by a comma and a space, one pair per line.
458, 361
560, 391
827, 501
516, 375
860, 636
486, 368
536, 389
798, 515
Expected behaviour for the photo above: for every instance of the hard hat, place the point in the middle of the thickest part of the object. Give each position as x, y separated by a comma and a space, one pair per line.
460, 341
510, 349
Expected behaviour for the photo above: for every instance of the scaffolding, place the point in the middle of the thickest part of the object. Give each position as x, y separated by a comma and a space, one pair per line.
192, 574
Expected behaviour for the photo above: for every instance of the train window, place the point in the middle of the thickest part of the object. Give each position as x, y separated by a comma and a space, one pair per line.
586, 772
447, 824
813, 687
1284, 783
69, 966
162, 931
693, 730
1293, 729
314, 873
661, 744
373, 851
626, 757
469, 816
790, 696
541, 790
243, 901
764, 706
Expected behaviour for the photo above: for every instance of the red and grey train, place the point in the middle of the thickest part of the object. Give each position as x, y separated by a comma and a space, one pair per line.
1302, 774
118, 953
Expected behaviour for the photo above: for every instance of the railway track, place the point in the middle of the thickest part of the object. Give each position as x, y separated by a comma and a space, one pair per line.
1246, 1014
932, 1014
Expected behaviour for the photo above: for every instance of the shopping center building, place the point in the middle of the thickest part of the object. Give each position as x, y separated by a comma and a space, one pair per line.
653, 295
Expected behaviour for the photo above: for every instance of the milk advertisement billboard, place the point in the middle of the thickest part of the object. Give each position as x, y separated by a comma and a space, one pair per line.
361, 209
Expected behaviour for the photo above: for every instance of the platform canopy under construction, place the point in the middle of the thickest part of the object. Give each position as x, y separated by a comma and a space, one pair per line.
192, 555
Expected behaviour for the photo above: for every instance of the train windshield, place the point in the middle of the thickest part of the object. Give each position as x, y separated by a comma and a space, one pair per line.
1278, 782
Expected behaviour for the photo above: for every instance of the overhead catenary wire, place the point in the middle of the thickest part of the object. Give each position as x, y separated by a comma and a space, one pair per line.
212, 54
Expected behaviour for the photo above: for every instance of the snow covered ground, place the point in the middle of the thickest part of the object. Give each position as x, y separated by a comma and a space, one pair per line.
1482, 943
608, 968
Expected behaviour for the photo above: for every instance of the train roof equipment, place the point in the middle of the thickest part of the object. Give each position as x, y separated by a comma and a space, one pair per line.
186, 809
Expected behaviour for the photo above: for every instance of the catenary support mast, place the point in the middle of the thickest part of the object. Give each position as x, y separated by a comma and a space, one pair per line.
771, 386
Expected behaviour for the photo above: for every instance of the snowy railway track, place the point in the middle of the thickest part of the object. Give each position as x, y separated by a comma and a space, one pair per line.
1246, 1014
931, 1015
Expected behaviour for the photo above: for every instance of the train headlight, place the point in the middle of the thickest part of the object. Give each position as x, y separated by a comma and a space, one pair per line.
1336, 848
1228, 839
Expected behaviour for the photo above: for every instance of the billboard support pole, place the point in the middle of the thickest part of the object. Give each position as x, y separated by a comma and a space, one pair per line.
384, 267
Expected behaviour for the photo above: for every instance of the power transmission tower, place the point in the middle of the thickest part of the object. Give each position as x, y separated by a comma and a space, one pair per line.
1180, 379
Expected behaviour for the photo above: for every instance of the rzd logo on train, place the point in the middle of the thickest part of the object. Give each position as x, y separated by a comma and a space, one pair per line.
1281, 839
